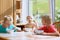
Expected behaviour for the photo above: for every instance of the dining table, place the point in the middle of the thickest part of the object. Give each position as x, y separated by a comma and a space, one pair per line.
27, 36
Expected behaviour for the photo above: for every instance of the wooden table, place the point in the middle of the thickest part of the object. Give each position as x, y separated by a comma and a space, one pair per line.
27, 36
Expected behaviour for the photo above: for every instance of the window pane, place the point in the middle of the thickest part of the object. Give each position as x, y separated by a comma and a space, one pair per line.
40, 7
57, 10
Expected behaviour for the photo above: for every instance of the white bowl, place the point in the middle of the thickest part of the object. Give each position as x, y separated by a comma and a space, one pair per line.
38, 31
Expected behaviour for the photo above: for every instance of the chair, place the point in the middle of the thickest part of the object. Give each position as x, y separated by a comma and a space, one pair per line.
57, 25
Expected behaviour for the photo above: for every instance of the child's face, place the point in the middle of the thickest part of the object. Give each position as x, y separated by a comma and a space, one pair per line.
29, 19
46, 22
7, 23
43, 22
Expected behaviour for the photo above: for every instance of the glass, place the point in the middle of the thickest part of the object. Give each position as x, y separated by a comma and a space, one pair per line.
57, 10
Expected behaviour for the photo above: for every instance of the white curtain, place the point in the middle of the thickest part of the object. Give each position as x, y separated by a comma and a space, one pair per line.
25, 11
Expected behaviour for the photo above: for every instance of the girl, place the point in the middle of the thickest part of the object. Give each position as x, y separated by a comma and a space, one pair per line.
7, 25
31, 24
47, 27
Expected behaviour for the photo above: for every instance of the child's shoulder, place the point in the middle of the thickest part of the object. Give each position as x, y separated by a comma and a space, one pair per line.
12, 25
0, 25
52, 25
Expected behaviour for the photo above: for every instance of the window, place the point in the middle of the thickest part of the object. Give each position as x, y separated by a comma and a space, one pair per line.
39, 7
57, 10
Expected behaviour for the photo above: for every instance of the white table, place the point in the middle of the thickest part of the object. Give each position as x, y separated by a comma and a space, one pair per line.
27, 36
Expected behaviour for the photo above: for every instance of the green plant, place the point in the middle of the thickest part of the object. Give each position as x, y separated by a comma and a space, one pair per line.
57, 15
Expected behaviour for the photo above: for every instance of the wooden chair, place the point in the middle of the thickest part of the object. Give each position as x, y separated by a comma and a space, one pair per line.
57, 25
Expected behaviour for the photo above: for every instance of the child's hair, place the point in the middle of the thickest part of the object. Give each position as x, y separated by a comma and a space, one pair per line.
29, 17
7, 18
46, 18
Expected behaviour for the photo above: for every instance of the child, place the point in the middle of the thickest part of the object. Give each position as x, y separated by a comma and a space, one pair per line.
7, 26
30, 23
47, 27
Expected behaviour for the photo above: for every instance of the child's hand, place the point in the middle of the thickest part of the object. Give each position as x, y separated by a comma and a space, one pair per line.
10, 31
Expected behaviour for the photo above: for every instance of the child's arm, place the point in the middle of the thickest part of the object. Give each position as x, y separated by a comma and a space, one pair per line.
51, 34
56, 33
16, 29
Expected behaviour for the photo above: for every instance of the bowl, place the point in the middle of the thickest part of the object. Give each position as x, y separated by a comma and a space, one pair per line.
38, 31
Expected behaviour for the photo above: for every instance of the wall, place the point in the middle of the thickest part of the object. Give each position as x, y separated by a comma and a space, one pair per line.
6, 8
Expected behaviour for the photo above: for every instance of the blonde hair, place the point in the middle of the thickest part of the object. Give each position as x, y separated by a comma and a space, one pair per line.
8, 18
